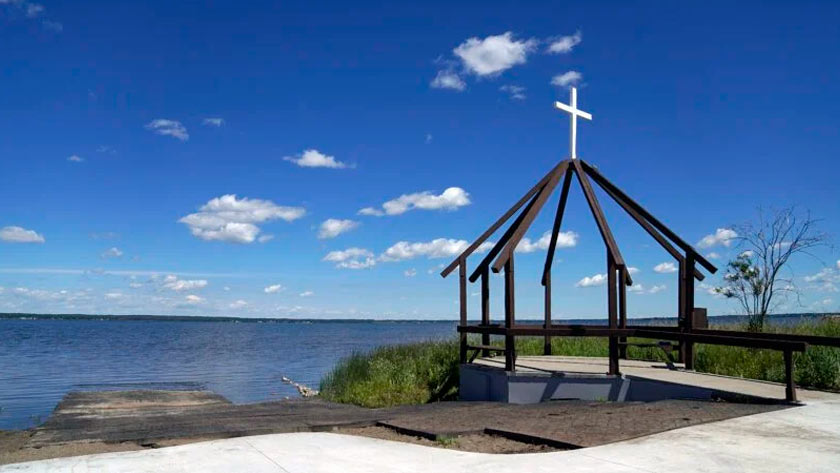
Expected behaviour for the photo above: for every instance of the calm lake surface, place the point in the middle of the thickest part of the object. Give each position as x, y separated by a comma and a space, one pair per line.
42, 360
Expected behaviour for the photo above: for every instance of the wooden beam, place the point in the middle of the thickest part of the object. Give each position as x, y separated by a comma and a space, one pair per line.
612, 305
488, 258
547, 322
462, 285
603, 226
649, 228
622, 313
485, 308
510, 317
484, 236
604, 182
530, 215
555, 230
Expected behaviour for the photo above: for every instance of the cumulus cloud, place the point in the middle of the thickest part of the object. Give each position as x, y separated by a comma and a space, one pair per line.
238, 304
231, 219
516, 92
493, 54
351, 258
666, 267
173, 283
826, 280
312, 158
721, 236
306, 294
564, 240
656, 289
437, 248
112, 252
274, 288
76, 159
216, 122
447, 79
450, 199
15, 234
333, 227
193, 299
567, 79
564, 44
165, 127
713, 255
592, 281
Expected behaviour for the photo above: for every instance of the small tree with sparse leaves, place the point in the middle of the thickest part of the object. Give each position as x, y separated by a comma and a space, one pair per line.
754, 278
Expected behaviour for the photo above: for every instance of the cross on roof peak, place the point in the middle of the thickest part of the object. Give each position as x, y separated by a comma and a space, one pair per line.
572, 110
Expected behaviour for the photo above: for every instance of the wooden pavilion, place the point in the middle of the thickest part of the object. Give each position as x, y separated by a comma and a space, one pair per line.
691, 327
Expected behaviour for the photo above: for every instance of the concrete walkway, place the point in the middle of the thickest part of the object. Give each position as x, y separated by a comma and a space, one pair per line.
801, 439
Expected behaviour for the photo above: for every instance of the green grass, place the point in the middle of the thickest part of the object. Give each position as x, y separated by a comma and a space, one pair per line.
424, 372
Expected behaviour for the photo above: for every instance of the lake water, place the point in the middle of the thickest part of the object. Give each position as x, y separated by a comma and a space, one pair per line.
42, 360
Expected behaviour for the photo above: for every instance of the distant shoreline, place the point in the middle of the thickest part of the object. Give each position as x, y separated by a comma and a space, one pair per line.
719, 319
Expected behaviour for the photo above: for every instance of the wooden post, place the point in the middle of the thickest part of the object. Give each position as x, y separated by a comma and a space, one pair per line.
790, 387
681, 316
688, 300
462, 284
510, 318
547, 324
485, 309
622, 311
612, 312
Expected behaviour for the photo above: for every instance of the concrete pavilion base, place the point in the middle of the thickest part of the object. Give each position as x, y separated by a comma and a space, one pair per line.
544, 378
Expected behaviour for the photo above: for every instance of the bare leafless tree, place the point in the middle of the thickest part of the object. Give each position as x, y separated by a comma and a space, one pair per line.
754, 278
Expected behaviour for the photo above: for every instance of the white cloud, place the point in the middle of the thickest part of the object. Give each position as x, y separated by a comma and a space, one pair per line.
447, 79
173, 283
564, 240
722, 236
838, 264
656, 289
564, 44
15, 234
333, 227
592, 281
410, 273
567, 79
713, 255
306, 294
135, 285
193, 299
112, 252
633, 270
450, 199
437, 248
664, 268
230, 219
265, 238
216, 122
173, 128
312, 158
274, 288
351, 258
238, 304
516, 92
114, 295
493, 54
76, 159
826, 280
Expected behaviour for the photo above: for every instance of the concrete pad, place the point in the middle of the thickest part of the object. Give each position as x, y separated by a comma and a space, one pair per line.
802, 439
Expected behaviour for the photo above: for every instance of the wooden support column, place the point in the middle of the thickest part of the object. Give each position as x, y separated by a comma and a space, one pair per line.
547, 323
510, 318
612, 311
462, 284
790, 387
681, 317
622, 311
688, 300
485, 309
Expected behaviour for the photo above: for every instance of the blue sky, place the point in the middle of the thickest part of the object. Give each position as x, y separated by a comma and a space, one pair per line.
213, 159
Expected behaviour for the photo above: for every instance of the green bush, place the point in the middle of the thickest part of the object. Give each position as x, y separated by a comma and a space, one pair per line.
424, 372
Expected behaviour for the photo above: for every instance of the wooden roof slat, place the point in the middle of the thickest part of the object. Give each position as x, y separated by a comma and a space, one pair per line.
604, 182
558, 220
484, 236
529, 216
650, 230
598, 214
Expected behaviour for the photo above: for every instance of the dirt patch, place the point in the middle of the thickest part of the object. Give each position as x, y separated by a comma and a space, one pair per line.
472, 442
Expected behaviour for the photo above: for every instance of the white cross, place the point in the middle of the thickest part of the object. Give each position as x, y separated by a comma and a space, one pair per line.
574, 112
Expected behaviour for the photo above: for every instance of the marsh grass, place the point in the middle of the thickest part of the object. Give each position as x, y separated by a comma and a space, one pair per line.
424, 372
